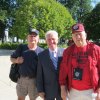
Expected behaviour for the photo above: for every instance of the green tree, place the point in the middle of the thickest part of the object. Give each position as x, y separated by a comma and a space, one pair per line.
79, 9
43, 15
8, 6
6, 11
92, 23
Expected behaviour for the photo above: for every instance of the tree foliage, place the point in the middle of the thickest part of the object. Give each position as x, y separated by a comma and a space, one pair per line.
6, 11
43, 15
7, 8
92, 23
79, 8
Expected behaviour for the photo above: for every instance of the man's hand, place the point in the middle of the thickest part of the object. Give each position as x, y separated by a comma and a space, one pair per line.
98, 97
19, 60
42, 95
39, 98
98, 94
63, 92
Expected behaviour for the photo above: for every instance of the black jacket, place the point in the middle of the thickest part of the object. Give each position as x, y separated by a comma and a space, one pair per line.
47, 76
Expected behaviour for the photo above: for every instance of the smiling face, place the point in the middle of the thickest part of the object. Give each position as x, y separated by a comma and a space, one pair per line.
79, 38
52, 41
33, 38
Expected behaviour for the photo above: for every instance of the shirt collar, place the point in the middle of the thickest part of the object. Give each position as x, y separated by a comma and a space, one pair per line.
53, 50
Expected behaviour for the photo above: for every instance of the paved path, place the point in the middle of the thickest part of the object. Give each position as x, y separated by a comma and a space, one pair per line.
7, 87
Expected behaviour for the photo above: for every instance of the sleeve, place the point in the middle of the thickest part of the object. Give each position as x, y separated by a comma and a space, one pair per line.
98, 65
63, 72
17, 52
39, 79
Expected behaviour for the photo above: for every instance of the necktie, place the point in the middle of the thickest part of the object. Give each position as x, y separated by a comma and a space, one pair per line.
54, 59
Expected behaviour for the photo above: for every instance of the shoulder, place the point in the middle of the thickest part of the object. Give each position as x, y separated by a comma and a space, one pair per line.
40, 49
18, 51
69, 49
61, 49
93, 46
22, 46
42, 53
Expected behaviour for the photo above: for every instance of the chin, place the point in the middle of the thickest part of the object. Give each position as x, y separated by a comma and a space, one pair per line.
53, 48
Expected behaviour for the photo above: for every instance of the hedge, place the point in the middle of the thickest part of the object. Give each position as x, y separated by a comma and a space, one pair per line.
13, 46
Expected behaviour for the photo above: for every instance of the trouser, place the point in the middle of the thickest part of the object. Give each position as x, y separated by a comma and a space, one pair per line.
39, 98
53, 99
81, 95
26, 86
57, 98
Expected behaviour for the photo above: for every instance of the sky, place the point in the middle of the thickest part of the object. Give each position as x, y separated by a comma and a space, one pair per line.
95, 2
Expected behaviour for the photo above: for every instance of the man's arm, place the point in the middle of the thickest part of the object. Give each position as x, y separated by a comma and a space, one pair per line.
62, 76
64, 93
16, 56
17, 60
40, 79
98, 64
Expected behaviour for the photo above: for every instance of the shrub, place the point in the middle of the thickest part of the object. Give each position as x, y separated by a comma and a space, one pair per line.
13, 46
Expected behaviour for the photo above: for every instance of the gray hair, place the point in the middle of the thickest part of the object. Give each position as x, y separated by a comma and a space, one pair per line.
51, 32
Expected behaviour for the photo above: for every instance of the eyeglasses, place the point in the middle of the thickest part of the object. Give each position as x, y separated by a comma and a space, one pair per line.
32, 35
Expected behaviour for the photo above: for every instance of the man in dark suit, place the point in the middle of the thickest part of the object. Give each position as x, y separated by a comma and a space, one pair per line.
48, 67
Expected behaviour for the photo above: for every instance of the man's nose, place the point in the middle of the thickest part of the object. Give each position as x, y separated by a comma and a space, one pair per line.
78, 36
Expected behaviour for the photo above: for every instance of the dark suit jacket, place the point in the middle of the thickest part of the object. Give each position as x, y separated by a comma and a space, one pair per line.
47, 76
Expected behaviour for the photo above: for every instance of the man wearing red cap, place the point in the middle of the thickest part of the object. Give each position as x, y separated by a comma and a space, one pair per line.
80, 68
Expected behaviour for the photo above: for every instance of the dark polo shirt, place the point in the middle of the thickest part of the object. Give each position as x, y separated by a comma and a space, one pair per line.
29, 66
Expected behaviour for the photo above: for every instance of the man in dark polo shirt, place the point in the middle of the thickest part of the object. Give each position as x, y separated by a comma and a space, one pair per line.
26, 56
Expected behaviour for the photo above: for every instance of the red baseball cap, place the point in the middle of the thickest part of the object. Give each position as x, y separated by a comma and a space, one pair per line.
79, 27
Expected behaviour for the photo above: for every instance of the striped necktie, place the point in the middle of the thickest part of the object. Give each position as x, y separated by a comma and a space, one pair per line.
54, 59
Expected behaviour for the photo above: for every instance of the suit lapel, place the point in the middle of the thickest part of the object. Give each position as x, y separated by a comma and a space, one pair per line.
48, 59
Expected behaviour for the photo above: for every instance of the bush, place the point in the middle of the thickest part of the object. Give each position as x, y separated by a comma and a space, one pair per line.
13, 46
43, 45
64, 45
9, 46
